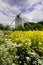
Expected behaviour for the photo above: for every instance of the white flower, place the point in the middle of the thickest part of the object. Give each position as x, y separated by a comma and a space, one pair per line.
20, 62
28, 59
19, 45
25, 64
13, 64
16, 56
39, 61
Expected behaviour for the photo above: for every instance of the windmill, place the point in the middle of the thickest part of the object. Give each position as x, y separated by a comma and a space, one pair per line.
18, 19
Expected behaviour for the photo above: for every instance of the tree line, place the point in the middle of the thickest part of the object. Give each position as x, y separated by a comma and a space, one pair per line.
27, 26
31, 26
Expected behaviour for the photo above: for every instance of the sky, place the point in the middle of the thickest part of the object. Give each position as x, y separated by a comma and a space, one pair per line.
33, 11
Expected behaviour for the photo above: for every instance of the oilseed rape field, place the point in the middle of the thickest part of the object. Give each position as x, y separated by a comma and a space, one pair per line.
21, 48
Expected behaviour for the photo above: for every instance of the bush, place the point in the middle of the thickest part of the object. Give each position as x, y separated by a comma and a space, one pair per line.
31, 26
1, 27
5, 27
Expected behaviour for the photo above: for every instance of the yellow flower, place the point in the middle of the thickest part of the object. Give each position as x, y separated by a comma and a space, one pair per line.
40, 43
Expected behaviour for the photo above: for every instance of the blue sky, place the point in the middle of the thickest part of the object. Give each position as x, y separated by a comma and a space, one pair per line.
33, 12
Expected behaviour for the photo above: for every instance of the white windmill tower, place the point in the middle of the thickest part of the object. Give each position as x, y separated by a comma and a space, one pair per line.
18, 19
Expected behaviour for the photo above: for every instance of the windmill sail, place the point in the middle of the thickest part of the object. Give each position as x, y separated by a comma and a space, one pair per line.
24, 8
18, 19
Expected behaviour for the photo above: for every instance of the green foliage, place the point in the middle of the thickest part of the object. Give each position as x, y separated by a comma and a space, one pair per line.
19, 28
1, 27
27, 26
31, 26
5, 27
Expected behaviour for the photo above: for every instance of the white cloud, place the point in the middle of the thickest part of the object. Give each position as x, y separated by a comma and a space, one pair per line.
7, 12
35, 15
6, 16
